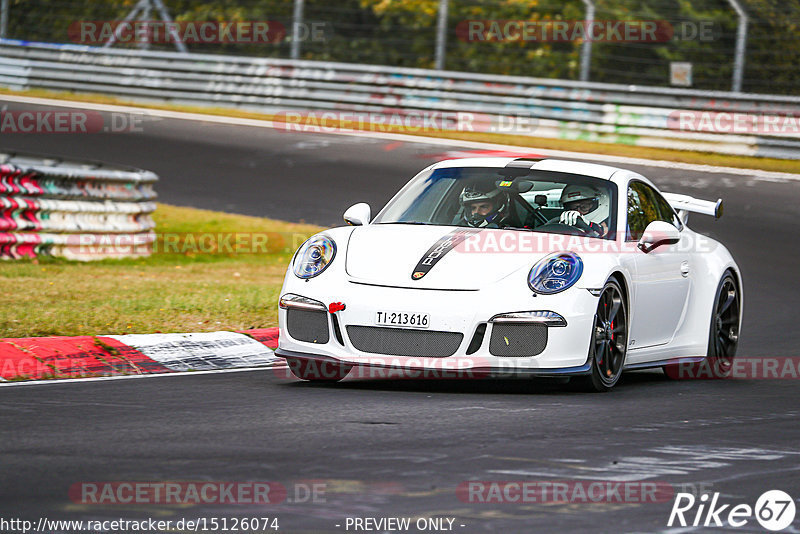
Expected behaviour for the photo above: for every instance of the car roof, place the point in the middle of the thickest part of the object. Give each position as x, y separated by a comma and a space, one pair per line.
594, 170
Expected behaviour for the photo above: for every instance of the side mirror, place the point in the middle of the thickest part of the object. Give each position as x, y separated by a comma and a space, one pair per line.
358, 214
656, 234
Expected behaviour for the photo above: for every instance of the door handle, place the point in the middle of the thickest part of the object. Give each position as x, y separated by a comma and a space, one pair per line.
685, 269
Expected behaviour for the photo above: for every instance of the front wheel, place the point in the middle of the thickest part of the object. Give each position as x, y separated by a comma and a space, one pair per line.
316, 371
609, 342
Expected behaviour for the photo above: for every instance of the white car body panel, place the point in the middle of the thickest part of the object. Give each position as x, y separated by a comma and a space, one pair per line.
661, 293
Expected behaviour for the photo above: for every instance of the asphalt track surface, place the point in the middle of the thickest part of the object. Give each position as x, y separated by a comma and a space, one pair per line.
400, 448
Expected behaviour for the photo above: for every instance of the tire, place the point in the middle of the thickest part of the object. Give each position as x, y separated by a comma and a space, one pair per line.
723, 333
316, 371
609, 341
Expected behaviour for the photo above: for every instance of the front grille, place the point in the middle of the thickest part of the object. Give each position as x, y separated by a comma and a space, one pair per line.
517, 340
309, 326
404, 342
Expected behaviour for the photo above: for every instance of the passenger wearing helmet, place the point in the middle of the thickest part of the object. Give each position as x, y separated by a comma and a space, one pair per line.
483, 209
584, 204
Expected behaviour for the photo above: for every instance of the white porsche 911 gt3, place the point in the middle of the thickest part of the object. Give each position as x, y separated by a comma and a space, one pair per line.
491, 266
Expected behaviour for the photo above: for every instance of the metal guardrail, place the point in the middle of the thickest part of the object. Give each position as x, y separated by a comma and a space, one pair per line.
634, 115
83, 211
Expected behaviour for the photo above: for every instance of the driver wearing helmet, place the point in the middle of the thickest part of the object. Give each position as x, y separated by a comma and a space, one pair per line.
584, 205
484, 209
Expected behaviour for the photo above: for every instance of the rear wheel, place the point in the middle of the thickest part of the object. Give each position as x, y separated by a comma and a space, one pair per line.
316, 371
609, 342
723, 335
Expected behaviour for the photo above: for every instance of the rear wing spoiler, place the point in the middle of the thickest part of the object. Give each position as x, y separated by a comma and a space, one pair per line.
684, 204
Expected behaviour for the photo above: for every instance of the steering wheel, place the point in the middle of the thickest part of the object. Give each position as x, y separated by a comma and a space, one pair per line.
580, 225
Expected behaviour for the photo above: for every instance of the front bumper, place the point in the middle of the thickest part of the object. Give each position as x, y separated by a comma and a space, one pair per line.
566, 350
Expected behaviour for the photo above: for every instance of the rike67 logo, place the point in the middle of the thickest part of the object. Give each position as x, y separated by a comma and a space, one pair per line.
774, 510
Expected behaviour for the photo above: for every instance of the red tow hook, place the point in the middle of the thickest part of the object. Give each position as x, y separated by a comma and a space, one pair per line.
334, 307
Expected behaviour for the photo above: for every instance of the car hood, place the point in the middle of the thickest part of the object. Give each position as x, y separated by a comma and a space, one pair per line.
450, 257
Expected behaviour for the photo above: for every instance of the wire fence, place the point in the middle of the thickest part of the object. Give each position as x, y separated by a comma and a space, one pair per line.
685, 43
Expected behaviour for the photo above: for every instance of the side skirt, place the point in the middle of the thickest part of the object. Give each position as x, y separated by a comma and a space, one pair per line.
661, 363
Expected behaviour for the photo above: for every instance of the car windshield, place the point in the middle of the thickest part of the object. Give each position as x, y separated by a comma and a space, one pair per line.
486, 197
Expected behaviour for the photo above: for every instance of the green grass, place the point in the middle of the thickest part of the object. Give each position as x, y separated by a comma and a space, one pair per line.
685, 156
188, 291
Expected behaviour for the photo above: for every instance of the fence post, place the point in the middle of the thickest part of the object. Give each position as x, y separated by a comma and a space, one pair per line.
441, 35
586, 47
297, 21
144, 7
144, 38
741, 45
165, 16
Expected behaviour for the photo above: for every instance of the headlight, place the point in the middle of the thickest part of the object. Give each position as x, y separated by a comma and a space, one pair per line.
313, 256
555, 273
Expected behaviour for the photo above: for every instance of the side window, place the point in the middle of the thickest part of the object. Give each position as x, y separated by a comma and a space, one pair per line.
642, 209
666, 212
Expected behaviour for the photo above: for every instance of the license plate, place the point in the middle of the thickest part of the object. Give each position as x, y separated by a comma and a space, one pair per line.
406, 319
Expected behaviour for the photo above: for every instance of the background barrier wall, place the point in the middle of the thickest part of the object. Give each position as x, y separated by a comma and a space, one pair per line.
632, 115
76, 210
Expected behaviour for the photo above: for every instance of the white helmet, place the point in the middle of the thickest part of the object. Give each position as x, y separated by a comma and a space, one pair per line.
600, 208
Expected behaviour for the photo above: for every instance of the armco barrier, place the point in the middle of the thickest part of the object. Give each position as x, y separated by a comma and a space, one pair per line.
635, 115
83, 211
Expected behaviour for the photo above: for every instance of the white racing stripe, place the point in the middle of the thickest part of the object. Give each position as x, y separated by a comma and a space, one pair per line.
205, 351
752, 173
